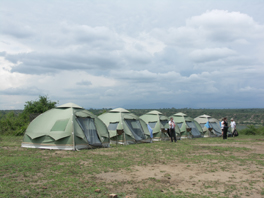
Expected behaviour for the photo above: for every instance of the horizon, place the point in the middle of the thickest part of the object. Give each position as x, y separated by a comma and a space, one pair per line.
150, 108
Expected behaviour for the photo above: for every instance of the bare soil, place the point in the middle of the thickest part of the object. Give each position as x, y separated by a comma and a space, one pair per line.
204, 178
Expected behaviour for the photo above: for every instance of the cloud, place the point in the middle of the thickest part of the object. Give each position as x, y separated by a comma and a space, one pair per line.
32, 91
225, 26
84, 83
81, 47
215, 27
17, 30
108, 54
213, 54
251, 89
39, 63
2, 54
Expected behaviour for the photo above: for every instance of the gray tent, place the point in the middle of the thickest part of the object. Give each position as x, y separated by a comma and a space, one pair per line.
188, 126
125, 127
67, 127
159, 125
210, 126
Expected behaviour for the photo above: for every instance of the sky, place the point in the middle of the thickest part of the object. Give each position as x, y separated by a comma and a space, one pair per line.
147, 54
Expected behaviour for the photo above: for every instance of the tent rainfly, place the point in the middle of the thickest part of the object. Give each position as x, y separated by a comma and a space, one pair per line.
188, 126
210, 126
67, 127
125, 127
159, 125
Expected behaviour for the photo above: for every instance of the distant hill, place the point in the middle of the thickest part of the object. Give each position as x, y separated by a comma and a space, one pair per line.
148, 105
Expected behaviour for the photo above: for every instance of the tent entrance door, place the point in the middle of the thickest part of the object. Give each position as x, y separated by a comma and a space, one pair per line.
195, 132
89, 130
136, 129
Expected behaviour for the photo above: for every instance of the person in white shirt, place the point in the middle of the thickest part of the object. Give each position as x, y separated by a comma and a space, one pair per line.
172, 130
222, 126
233, 126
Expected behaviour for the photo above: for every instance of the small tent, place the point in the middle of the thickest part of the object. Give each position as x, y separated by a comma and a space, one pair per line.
67, 127
125, 127
210, 126
159, 125
188, 126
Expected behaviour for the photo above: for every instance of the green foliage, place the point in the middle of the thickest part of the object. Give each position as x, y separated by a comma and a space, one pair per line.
39, 106
252, 130
12, 123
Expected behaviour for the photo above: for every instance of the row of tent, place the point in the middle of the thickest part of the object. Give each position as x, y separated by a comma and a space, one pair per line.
186, 127
71, 127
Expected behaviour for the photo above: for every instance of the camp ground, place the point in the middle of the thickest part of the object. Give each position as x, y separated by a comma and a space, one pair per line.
67, 127
159, 125
210, 126
125, 127
189, 128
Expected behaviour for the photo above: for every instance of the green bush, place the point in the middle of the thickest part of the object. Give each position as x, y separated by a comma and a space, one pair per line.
13, 124
252, 130
261, 130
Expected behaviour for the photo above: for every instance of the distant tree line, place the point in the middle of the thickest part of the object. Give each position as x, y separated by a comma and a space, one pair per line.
241, 116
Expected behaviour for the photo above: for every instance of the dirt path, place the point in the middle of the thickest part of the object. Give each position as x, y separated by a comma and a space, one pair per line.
209, 177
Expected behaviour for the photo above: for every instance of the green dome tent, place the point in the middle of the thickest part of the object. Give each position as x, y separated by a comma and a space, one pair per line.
210, 126
125, 127
67, 127
159, 124
188, 126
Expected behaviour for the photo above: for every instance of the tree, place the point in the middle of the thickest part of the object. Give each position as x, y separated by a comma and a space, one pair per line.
16, 124
39, 106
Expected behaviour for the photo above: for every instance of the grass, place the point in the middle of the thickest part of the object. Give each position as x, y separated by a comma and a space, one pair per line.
49, 173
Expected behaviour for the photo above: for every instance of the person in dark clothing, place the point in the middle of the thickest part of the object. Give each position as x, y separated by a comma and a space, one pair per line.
172, 130
168, 132
225, 129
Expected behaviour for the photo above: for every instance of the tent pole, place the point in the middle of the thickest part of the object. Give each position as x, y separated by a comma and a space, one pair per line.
209, 132
124, 134
161, 135
73, 134
185, 125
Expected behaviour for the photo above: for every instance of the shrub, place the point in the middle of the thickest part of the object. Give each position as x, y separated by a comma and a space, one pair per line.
12, 124
252, 130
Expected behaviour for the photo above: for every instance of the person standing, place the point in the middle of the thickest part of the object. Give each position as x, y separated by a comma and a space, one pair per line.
222, 126
172, 130
233, 126
225, 129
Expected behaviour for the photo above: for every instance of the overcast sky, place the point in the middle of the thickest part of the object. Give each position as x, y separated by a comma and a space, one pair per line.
133, 54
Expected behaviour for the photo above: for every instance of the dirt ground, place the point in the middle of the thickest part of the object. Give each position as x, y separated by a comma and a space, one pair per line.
234, 180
